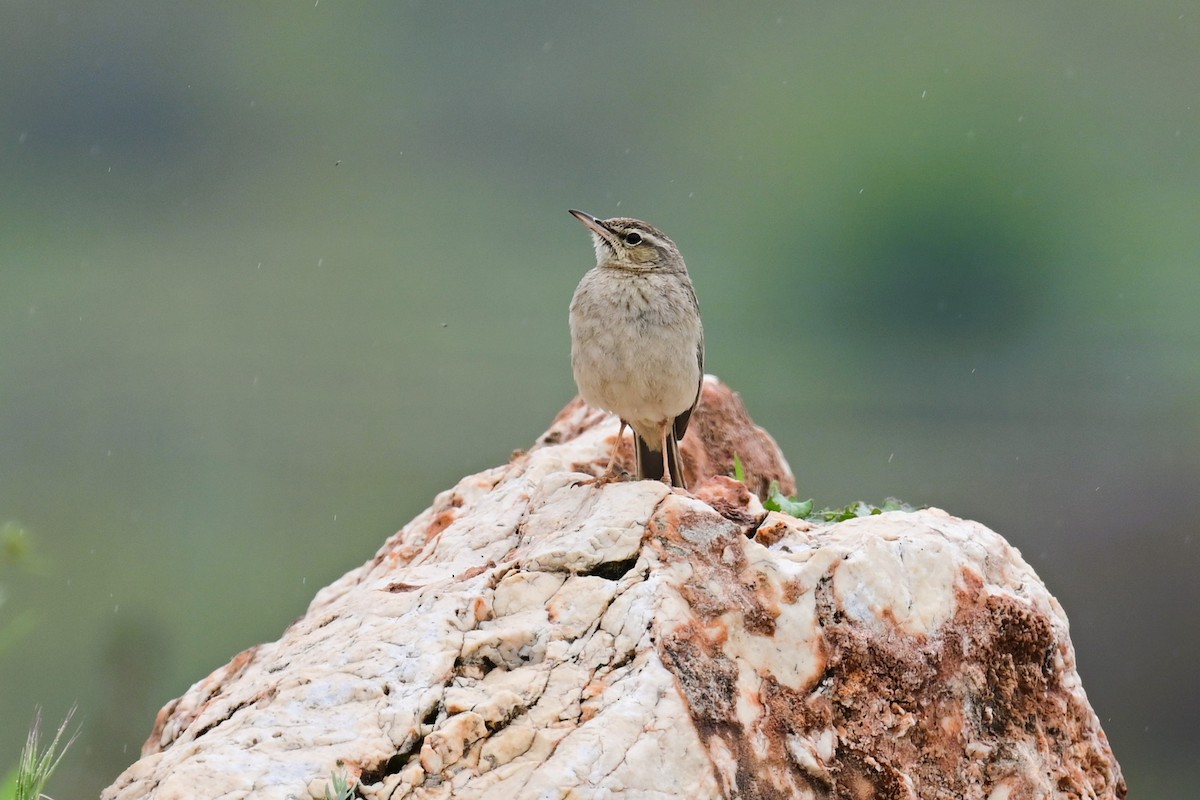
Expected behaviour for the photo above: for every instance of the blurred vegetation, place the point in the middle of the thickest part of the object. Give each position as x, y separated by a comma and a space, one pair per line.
16, 555
28, 779
273, 275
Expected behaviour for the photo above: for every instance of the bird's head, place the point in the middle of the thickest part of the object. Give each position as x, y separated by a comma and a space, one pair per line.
631, 245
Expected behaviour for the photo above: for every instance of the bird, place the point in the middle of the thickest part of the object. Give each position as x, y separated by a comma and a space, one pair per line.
637, 342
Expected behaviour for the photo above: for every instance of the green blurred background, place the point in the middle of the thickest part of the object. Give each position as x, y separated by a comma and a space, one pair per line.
272, 275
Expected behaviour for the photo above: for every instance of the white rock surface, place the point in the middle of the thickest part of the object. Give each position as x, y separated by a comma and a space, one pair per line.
529, 637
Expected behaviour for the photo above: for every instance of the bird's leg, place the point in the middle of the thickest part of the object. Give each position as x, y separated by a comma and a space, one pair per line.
610, 472
666, 432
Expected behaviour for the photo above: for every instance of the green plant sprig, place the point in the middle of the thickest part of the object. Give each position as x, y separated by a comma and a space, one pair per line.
36, 766
803, 509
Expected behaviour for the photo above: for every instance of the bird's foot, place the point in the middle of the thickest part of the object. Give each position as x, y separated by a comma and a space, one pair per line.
603, 479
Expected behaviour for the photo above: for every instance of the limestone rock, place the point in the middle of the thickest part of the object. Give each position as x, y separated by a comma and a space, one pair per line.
528, 636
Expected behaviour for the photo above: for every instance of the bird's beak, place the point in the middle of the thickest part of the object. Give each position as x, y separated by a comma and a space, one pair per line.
596, 226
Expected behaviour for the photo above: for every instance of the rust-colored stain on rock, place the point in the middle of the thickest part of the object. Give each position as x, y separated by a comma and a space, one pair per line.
893, 714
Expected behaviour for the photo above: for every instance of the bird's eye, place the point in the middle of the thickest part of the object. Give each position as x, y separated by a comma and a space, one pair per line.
633, 237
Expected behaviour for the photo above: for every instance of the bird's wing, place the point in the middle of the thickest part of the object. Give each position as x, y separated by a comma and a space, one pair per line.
681, 422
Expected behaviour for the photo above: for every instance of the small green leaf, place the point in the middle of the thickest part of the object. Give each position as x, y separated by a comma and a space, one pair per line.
771, 503
739, 470
800, 509
340, 786
895, 504
778, 501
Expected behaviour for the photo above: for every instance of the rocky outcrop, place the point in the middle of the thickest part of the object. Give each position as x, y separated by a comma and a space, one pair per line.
532, 636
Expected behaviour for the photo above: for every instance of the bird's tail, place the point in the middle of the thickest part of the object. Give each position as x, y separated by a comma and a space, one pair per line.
650, 462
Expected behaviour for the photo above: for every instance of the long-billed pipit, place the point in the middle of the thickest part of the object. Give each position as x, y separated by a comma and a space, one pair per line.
637, 345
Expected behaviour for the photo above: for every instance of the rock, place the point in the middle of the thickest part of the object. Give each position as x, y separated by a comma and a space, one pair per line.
528, 636
720, 428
